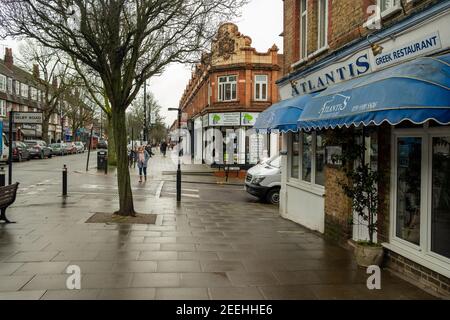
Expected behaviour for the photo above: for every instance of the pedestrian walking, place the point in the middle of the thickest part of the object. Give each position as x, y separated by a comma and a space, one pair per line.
142, 161
163, 148
148, 148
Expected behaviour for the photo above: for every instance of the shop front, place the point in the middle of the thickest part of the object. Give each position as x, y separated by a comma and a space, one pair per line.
229, 138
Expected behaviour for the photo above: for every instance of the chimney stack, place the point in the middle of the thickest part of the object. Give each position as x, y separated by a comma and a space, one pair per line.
36, 71
9, 60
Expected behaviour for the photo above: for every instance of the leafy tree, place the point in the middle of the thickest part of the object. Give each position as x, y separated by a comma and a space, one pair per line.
125, 41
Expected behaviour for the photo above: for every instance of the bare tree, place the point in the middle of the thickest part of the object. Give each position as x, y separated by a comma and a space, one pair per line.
124, 41
79, 110
54, 78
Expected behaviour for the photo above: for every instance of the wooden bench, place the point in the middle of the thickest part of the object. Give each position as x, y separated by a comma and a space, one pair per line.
7, 198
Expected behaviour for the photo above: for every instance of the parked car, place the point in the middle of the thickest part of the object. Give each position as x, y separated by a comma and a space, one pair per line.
58, 149
102, 144
20, 151
70, 148
80, 146
38, 149
264, 180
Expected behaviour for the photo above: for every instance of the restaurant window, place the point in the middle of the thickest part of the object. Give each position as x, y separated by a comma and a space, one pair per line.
261, 87
303, 29
2, 83
2, 108
320, 160
295, 155
322, 23
307, 146
227, 88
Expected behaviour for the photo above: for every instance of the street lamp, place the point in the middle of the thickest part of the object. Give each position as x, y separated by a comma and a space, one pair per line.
179, 159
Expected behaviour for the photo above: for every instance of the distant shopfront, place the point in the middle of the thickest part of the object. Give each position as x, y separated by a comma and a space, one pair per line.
229, 138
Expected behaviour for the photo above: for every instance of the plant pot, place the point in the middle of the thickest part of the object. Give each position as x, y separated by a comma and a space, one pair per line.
367, 255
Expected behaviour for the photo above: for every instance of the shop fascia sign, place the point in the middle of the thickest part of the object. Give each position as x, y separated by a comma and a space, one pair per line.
249, 118
225, 119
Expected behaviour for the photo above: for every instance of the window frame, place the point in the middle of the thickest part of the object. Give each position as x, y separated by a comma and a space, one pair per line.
319, 22
303, 15
3, 108
3, 83
26, 88
391, 10
223, 85
17, 88
420, 253
261, 91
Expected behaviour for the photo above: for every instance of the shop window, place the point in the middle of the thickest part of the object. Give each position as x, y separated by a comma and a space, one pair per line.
261, 87
2, 83
409, 182
320, 160
307, 156
227, 88
322, 23
303, 29
295, 155
440, 202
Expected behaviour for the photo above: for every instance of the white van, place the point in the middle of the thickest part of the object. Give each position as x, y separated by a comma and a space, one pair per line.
264, 180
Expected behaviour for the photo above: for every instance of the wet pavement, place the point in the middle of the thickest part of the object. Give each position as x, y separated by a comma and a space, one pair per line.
210, 247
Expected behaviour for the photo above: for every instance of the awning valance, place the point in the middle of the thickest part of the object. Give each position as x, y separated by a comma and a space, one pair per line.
283, 115
417, 91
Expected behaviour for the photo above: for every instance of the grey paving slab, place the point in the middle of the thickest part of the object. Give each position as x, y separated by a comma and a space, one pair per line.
178, 266
32, 256
291, 292
13, 283
32, 268
205, 279
158, 255
240, 279
135, 266
222, 266
155, 280
84, 294
21, 295
233, 293
128, 294
182, 294
8, 268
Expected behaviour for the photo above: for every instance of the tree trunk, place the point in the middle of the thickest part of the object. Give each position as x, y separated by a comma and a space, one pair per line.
112, 155
45, 130
123, 174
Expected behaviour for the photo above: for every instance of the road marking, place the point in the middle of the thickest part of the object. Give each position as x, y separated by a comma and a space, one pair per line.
158, 191
185, 195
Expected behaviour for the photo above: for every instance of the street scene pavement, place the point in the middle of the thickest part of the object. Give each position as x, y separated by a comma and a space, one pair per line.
220, 243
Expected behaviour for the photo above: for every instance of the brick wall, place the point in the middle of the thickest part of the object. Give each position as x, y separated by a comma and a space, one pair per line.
338, 207
419, 274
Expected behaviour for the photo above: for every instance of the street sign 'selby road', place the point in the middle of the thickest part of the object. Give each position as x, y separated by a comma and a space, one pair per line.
28, 117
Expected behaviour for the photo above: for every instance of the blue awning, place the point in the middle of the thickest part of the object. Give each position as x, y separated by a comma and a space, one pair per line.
283, 115
417, 91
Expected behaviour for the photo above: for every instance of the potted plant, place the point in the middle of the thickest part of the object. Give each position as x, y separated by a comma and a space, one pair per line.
361, 188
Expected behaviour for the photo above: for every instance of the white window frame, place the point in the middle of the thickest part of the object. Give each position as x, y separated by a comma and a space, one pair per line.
24, 91
17, 88
391, 10
319, 23
3, 83
34, 95
2, 108
261, 84
10, 85
303, 16
221, 88
421, 253
304, 184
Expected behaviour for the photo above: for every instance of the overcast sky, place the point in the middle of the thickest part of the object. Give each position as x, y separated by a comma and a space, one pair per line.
261, 20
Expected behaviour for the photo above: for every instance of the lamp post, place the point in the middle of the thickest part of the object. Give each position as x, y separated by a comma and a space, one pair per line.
179, 159
145, 111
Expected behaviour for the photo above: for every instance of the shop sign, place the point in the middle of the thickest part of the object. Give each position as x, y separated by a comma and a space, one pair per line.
28, 117
249, 118
225, 119
412, 49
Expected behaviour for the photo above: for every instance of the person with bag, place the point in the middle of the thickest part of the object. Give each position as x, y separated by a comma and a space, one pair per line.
142, 161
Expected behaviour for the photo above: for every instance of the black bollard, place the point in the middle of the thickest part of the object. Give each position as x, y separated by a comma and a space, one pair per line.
106, 165
2, 177
64, 182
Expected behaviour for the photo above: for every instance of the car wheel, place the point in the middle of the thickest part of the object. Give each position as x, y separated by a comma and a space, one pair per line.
50, 155
273, 196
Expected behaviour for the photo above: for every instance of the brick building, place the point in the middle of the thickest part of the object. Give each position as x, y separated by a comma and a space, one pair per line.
22, 91
227, 91
375, 72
